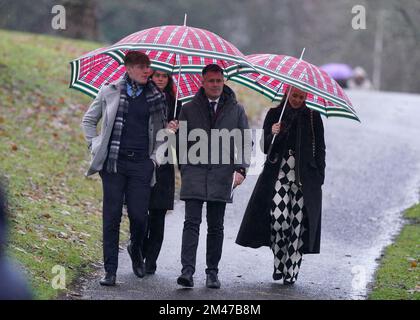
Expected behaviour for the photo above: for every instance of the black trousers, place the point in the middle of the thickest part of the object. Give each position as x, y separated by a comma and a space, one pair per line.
190, 235
154, 238
132, 180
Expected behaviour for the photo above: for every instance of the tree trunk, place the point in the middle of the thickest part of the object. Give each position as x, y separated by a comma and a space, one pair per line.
81, 19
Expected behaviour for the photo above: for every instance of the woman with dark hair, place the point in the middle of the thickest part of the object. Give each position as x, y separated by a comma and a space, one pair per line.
284, 211
162, 197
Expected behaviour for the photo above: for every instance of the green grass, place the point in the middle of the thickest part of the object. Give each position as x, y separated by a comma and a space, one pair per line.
398, 277
55, 212
55, 216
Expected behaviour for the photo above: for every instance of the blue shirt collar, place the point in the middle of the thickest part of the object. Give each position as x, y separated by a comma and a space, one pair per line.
130, 92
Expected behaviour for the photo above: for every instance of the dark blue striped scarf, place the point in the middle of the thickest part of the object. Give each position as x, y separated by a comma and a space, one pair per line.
157, 103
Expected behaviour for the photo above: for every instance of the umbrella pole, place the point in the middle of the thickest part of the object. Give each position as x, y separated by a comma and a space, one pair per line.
281, 116
175, 157
179, 75
177, 88
275, 135
282, 111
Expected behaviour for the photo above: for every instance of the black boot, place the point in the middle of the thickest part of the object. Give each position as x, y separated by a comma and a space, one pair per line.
277, 276
212, 281
186, 279
150, 267
108, 280
288, 283
136, 261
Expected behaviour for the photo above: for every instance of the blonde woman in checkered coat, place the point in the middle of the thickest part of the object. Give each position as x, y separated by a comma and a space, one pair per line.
284, 211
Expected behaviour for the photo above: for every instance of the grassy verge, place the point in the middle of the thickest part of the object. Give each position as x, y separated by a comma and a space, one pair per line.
398, 277
55, 214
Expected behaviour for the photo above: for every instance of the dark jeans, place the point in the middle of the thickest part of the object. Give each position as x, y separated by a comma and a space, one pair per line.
154, 238
190, 235
132, 180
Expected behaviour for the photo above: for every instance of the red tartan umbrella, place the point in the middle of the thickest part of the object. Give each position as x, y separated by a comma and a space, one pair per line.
276, 72
178, 50
189, 85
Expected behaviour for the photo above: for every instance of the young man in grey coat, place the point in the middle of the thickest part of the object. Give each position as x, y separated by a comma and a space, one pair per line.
124, 153
210, 178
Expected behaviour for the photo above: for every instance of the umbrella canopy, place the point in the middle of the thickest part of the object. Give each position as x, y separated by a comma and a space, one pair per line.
173, 49
275, 72
338, 71
189, 84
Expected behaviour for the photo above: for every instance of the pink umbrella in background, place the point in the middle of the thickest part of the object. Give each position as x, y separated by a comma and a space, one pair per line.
340, 72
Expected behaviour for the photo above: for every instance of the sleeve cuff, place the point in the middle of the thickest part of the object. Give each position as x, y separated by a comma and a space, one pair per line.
242, 171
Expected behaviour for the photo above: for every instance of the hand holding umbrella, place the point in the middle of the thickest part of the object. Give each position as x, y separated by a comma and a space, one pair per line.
278, 128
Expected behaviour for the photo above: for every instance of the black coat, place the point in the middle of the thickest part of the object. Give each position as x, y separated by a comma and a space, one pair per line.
163, 192
255, 231
212, 182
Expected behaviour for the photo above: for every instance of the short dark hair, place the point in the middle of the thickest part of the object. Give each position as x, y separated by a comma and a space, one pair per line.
212, 68
136, 57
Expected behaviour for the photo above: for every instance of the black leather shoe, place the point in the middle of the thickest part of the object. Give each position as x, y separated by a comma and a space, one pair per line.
212, 281
150, 267
108, 280
137, 262
186, 280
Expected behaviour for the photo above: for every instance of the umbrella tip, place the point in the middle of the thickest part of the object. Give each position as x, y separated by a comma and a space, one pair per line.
185, 20
303, 52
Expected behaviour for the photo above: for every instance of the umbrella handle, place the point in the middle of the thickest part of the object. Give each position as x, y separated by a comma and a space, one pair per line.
270, 148
275, 159
177, 87
281, 116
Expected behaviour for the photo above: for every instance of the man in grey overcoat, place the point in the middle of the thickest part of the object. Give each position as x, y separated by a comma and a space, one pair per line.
124, 153
212, 176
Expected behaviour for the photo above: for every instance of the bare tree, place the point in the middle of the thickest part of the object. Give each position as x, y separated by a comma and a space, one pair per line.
82, 20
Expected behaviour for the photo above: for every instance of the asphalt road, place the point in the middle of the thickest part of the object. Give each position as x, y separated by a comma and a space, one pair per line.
373, 173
